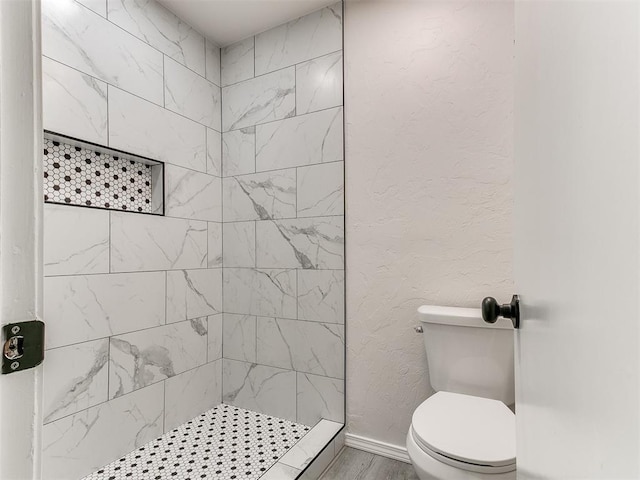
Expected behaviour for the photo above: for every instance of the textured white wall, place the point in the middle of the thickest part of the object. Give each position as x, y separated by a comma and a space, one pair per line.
428, 110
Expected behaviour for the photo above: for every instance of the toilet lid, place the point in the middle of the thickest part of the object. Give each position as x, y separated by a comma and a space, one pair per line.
474, 430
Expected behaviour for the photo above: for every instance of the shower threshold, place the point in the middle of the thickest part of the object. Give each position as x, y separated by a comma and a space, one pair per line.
223, 443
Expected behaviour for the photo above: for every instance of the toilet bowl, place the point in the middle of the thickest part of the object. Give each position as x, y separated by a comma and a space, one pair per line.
462, 437
465, 431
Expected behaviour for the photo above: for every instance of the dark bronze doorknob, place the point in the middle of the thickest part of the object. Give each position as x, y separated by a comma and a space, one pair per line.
491, 310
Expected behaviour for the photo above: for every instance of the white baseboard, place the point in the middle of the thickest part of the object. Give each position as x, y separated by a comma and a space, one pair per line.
379, 448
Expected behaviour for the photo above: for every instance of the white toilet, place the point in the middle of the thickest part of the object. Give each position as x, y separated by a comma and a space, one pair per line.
465, 431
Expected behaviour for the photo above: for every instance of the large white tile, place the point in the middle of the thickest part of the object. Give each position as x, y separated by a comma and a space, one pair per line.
262, 389
319, 83
320, 190
314, 243
304, 140
79, 444
319, 397
79, 38
308, 37
239, 151
193, 293
259, 196
212, 63
239, 340
214, 242
314, 442
237, 62
214, 332
309, 347
75, 378
260, 292
151, 22
321, 295
320, 463
142, 358
239, 240
73, 103
98, 6
144, 242
259, 100
145, 129
192, 195
76, 240
191, 95
87, 307
191, 393
280, 471
214, 152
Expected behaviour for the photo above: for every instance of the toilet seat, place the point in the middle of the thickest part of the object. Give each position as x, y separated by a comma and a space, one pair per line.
471, 433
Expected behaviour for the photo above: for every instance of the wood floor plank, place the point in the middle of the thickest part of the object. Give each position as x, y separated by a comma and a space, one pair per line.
355, 464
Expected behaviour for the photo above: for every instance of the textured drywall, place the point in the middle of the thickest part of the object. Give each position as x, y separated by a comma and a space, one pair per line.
428, 108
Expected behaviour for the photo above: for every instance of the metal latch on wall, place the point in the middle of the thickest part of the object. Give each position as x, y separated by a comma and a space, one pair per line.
23, 345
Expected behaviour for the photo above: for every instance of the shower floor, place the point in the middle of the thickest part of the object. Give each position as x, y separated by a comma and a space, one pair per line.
223, 443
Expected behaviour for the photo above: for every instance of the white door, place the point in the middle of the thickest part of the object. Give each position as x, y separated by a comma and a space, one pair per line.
20, 228
576, 239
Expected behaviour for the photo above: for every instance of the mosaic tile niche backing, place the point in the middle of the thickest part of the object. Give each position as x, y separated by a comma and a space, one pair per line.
224, 443
78, 176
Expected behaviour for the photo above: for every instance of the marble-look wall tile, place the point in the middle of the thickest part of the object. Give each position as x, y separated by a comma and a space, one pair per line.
309, 347
214, 332
191, 95
98, 6
76, 240
144, 242
140, 127
82, 308
77, 37
308, 37
321, 295
212, 53
319, 83
239, 340
192, 195
257, 387
304, 140
151, 22
239, 152
193, 293
75, 378
79, 444
320, 190
142, 358
214, 243
319, 397
237, 62
259, 100
191, 393
214, 152
259, 196
314, 243
305, 451
239, 239
260, 292
73, 103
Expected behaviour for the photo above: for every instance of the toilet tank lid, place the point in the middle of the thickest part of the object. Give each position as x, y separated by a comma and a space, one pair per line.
464, 317
470, 429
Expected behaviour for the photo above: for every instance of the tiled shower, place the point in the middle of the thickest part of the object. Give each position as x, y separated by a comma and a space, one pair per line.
236, 295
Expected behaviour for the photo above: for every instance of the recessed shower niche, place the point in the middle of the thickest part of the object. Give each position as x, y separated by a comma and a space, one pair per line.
84, 174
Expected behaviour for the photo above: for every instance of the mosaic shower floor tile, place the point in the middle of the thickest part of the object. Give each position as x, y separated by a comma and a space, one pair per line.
223, 443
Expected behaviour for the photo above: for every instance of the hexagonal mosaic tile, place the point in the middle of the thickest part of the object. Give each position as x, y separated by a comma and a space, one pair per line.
224, 443
78, 176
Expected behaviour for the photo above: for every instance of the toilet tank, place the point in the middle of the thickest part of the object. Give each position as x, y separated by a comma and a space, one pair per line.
467, 355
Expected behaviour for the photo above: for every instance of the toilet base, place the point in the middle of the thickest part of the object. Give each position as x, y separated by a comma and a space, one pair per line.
428, 468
